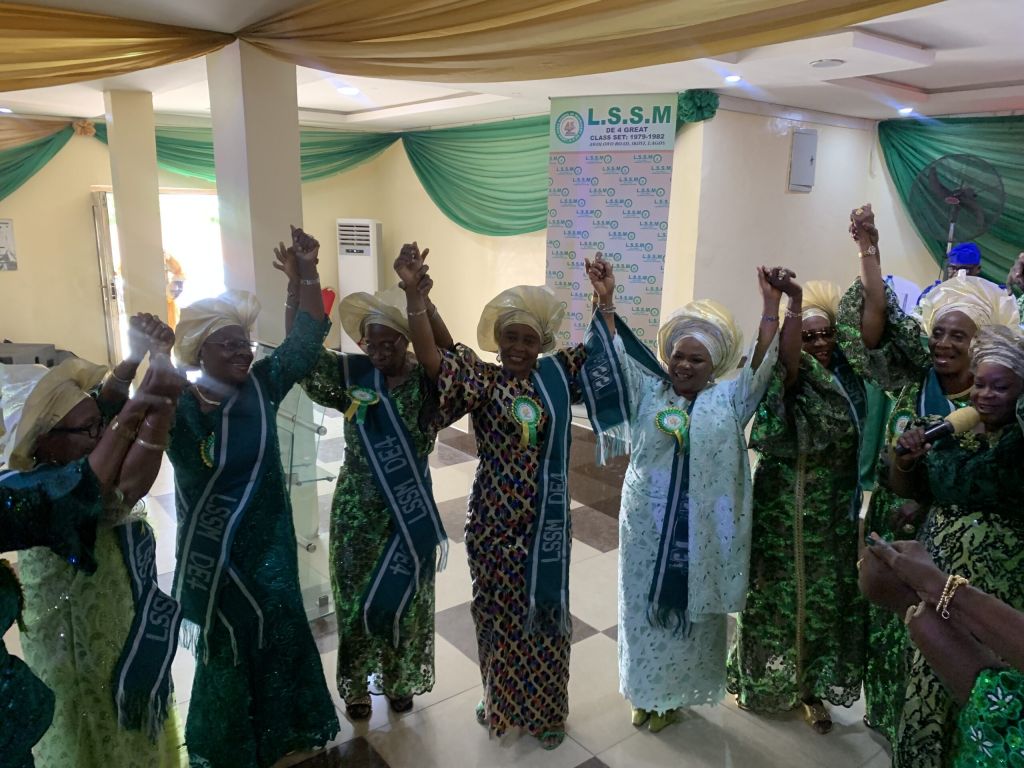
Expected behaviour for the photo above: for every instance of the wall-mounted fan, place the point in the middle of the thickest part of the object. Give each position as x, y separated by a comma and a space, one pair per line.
957, 198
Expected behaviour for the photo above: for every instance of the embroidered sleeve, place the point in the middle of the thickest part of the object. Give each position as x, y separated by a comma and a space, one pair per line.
295, 358
900, 358
326, 384
55, 507
464, 383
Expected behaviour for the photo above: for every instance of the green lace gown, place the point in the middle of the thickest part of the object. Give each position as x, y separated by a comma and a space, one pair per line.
898, 366
275, 701
361, 527
76, 627
54, 507
991, 724
975, 528
802, 631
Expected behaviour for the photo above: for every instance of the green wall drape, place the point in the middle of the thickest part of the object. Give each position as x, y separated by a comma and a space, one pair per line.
491, 179
910, 145
19, 164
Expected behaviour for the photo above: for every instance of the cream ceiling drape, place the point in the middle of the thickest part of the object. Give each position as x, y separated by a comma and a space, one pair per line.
432, 40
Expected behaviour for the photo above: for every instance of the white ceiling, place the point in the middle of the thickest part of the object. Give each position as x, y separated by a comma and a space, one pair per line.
958, 56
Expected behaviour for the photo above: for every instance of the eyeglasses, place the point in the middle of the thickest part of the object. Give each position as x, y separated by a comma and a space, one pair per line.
93, 430
824, 333
385, 348
235, 345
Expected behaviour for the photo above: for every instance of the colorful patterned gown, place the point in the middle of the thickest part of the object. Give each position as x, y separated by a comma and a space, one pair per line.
661, 669
899, 366
525, 675
49, 506
975, 528
275, 700
802, 632
361, 527
77, 625
991, 724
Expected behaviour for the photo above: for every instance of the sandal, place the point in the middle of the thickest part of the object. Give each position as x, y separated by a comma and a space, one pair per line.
359, 709
817, 716
481, 713
551, 739
400, 704
640, 716
661, 721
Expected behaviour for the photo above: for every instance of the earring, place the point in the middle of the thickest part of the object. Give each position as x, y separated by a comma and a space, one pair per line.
498, 358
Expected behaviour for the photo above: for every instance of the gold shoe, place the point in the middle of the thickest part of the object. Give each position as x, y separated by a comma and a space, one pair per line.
817, 716
640, 716
661, 721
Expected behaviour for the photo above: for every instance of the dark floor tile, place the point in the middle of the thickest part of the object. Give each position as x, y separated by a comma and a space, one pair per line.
595, 494
456, 438
612, 632
325, 632
453, 516
358, 753
331, 449
445, 455
455, 625
611, 474
581, 630
592, 763
595, 529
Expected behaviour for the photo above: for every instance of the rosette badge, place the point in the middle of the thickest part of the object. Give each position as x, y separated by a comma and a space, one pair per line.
362, 398
526, 411
674, 422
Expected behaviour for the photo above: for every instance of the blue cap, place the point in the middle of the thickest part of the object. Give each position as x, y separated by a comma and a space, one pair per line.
965, 254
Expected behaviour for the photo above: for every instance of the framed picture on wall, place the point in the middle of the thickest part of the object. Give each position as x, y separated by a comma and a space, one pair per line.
8, 257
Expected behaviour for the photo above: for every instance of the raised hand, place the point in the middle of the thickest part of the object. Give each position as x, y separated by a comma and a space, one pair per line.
601, 277
409, 263
286, 261
306, 248
769, 293
162, 381
862, 228
784, 280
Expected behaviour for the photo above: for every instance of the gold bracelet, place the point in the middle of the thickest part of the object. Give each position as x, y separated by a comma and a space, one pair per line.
150, 446
860, 563
913, 612
953, 583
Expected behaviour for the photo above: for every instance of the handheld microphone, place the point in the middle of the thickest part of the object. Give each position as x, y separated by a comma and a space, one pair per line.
956, 423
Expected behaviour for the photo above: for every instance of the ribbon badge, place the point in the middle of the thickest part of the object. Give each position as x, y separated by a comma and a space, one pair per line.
527, 412
674, 422
901, 420
362, 398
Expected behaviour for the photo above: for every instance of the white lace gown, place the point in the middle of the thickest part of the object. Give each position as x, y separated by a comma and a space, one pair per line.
660, 669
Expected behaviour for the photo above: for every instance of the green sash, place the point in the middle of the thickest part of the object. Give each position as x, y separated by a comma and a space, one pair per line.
142, 678
547, 564
932, 400
403, 480
852, 388
206, 583
604, 390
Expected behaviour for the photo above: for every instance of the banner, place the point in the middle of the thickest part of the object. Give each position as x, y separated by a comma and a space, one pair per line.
609, 180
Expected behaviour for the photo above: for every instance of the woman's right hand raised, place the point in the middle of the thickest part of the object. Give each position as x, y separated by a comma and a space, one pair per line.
862, 228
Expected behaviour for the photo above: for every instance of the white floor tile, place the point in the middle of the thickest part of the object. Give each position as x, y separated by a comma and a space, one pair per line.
581, 551
598, 715
447, 734
453, 586
593, 590
454, 481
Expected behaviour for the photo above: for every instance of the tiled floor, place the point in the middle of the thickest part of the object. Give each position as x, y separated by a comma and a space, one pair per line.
441, 729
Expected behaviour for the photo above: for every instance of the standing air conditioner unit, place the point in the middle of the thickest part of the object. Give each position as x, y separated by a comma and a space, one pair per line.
359, 245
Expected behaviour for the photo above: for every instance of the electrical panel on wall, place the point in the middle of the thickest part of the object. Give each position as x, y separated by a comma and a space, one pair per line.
803, 159
359, 247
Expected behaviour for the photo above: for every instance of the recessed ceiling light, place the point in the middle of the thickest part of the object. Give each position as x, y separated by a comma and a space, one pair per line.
827, 63
6, 110
906, 110
733, 78
348, 90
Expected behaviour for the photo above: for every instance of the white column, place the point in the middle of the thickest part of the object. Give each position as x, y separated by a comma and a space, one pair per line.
256, 148
131, 135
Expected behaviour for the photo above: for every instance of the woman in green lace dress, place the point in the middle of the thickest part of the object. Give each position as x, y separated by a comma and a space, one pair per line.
800, 638
362, 522
973, 529
922, 362
69, 472
259, 691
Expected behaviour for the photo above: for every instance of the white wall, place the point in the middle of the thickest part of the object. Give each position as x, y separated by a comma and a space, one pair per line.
748, 216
